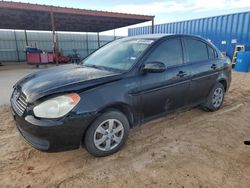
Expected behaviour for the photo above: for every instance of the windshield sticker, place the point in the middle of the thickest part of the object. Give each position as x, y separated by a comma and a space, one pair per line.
144, 41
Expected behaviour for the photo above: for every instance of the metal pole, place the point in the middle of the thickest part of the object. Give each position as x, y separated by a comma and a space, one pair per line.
114, 35
152, 27
54, 37
26, 38
98, 38
87, 43
26, 41
57, 42
17, 51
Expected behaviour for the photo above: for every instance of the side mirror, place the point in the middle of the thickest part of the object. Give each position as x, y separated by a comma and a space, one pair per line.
154, 67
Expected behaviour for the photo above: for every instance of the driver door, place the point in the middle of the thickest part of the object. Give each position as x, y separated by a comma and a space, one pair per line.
166, 91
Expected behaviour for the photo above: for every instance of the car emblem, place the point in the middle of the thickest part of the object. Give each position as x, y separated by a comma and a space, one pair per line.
16, 94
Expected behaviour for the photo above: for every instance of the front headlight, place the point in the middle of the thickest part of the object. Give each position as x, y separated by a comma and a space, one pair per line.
57, 107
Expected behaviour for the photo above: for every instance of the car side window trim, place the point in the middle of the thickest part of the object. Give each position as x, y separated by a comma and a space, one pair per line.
184, 52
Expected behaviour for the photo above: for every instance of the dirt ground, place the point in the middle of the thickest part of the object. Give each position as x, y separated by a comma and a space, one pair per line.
189, 149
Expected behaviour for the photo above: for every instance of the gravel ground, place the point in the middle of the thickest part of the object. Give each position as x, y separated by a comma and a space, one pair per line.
188, 149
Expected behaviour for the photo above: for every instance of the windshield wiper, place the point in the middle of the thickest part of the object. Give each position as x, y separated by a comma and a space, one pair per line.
102, 68
95, 66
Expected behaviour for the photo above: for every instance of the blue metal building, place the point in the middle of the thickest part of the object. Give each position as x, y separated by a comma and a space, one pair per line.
224, 31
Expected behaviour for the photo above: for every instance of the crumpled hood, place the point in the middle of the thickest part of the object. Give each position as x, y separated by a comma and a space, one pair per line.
62, 79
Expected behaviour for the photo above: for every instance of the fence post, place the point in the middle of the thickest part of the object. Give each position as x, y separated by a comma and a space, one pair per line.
87, 43
152, 27
98, 39
17, 51
26, 38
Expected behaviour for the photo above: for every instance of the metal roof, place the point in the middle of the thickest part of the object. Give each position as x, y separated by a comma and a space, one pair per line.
25, 16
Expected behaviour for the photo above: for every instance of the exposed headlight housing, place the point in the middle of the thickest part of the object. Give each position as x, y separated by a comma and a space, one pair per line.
56, 107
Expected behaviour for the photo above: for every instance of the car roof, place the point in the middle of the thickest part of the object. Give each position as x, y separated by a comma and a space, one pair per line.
149, 36
159, 36
156, 37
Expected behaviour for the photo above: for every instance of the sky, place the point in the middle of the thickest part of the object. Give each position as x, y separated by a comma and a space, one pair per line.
165, 11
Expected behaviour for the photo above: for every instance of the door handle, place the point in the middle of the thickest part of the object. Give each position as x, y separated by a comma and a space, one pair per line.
181, 74
213, 66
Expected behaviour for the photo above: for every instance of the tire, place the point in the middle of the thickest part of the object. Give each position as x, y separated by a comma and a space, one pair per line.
215, 98
107, 134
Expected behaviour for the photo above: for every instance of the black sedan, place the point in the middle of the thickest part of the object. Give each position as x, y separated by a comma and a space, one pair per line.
123, 84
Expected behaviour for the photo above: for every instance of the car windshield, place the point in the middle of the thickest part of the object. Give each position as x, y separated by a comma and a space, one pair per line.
119, 55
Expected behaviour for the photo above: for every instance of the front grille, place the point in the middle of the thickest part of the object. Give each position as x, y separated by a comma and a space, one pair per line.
18, 101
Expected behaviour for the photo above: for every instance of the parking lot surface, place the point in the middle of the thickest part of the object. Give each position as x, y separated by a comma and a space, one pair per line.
10, 73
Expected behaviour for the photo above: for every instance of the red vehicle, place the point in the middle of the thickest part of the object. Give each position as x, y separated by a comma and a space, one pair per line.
36, 57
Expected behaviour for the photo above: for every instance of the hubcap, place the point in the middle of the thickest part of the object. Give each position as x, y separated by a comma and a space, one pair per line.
217, 97
108, 134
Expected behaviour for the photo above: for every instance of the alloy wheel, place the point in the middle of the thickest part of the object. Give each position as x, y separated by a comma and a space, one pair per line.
217, 97
108, 134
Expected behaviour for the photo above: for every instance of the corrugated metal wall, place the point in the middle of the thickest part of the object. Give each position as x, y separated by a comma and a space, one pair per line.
13, 43
224, 31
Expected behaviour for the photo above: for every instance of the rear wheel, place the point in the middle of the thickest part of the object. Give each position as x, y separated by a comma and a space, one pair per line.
215, 98
107, 134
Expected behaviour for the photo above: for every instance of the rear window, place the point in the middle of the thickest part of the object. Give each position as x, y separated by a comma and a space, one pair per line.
196, 50
211, 52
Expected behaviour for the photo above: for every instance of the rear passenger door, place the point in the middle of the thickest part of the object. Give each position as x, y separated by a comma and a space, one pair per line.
201, 59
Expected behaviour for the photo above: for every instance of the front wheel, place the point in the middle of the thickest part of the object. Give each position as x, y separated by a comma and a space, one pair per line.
215, 98
107, 134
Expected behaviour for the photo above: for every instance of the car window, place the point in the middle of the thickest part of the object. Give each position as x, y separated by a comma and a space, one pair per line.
211, 52
168, 52
196, 50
